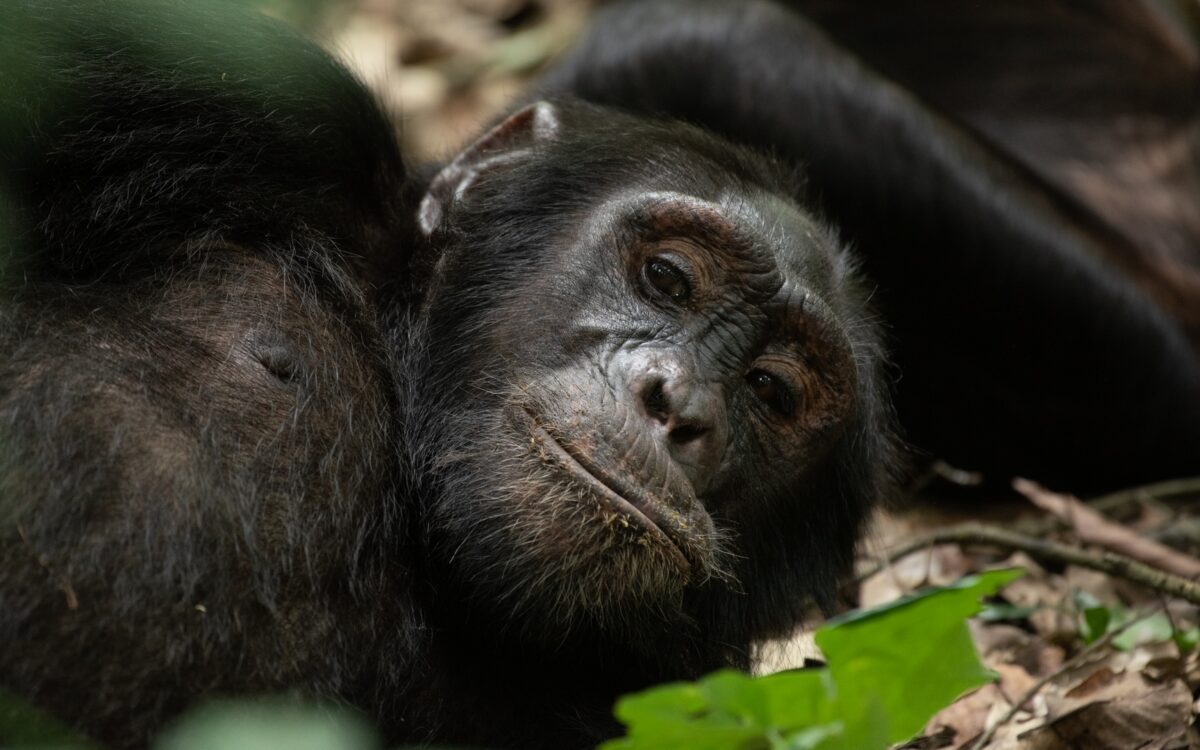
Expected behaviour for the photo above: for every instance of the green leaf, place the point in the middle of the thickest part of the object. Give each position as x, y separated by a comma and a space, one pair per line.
738, 696
889, 670
678, 700
1094, 623
903, 662
274, 723
23, 727
684, 715
1001, 612
1156, 628
1187, 640
1095, 619
799, 698
729, 709
823, 737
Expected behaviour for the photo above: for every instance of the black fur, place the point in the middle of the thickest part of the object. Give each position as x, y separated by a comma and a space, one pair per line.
1020, 350
279, 415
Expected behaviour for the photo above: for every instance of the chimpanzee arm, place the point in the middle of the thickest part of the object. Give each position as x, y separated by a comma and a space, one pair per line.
1018, 350
1097, 98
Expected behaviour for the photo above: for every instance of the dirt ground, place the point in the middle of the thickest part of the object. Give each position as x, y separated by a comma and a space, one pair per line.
443, 67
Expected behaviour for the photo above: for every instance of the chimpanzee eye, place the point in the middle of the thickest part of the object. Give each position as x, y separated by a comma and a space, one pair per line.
666, 277
772, 391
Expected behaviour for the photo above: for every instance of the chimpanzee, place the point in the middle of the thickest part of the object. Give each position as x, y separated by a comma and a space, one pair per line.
1019, 347
600, 402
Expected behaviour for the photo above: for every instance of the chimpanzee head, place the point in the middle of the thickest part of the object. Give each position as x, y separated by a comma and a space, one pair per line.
644, 388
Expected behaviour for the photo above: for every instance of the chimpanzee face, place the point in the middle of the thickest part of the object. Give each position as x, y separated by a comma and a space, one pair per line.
628, 385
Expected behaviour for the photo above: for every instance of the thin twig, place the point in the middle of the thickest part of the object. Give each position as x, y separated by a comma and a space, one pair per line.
1065, 667
1159, 491
1105, 562
1110, 503
1092, 527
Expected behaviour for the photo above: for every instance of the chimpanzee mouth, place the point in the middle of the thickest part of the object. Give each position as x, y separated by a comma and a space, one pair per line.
630, 502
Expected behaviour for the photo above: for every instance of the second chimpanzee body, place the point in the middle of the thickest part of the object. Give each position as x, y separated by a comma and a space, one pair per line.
599, 404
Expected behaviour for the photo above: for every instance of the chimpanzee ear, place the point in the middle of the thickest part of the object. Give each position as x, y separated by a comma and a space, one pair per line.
507, 142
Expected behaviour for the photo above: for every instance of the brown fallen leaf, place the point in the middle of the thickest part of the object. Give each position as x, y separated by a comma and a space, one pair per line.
1094, 528
1015, 682
965, 717
935, 566
1100, 585
1000, 643
1111, 711
943, 738
1191, 670
1051, 620
1092, 684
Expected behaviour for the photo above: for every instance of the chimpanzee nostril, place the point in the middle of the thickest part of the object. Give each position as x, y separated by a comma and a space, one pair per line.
685, 416
687, 433
654, 398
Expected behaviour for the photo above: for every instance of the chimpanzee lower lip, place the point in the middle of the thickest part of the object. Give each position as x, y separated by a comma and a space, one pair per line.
579, 468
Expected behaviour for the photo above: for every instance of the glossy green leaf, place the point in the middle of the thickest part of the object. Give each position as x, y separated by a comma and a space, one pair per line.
889, 670
907, 660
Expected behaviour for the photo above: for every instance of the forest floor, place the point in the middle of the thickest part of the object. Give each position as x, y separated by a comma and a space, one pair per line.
1095, 647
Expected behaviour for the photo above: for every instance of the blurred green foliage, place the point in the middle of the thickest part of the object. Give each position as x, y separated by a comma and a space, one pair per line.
890, 669
267, 724
1131, 628
22, 726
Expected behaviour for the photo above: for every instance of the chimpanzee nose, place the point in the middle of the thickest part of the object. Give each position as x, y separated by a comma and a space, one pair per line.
688, 415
